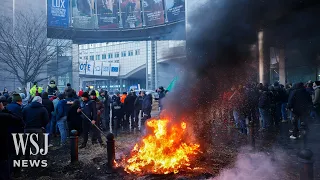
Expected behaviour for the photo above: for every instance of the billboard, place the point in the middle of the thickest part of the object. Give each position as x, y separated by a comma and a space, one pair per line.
175, 10
97, 68
58, 13
108, 17
105, 69
83, 14
153, 12
82, 67
131, 13
90, 68
114, 69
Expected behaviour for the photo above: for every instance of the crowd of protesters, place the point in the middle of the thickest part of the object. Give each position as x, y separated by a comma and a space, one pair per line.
46, 110
266, 106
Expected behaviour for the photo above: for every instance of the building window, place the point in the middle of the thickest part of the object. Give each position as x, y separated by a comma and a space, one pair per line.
116, 55
110, 55
130, 53
116, 61
97, 57
123, 54
86, 57
91, 57
104, 56
80, 57
137, 52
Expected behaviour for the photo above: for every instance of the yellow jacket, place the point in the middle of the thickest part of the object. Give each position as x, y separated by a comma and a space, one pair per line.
33, 90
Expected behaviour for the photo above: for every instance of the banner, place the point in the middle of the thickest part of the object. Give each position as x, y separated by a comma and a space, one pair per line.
131, 13
82, 67
175, 10
114, 69
153, 12
97, 68
90, 68
105, 69
108, 17
58, 13
83, 12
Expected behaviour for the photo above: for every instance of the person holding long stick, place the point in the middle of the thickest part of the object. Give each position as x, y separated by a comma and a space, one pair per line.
88, 107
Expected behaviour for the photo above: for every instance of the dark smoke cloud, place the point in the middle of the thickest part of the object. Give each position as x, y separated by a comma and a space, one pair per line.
219, 40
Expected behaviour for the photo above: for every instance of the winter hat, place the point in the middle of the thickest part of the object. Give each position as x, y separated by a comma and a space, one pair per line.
16, 98
37, 99
276, 83
3, 99
69, 85
80, 93
85, 94
35, 83
61, 96
93, 93
52, 82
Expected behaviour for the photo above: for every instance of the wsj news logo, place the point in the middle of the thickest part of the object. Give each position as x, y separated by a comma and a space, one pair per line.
21, 141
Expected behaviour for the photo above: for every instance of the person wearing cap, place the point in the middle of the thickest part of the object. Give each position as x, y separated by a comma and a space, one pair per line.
88, 107
100, 109
36, 118
52, 88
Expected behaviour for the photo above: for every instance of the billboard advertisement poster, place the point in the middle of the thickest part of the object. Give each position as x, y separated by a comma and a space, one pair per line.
105, 69
108, 17
131, 13
97, 68
90, 68
58, 13
83, 14
82, 67
175, 10
114, 69
153, 12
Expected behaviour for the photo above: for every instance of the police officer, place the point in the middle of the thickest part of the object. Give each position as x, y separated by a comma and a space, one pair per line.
88, 107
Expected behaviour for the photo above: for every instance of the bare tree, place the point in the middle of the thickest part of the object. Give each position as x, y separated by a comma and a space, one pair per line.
25, 49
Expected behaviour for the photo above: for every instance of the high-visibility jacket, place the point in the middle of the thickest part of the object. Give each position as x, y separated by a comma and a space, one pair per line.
123, 97
33, 90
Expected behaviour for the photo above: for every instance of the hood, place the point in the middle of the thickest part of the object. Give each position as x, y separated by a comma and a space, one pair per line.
36, 105
52, 85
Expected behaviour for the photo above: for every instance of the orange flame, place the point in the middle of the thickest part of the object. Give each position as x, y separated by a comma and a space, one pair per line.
163, 151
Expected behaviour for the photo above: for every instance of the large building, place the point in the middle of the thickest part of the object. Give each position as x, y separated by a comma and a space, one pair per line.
121, 65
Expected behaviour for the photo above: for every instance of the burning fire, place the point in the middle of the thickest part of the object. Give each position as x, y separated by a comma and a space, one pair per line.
163, 151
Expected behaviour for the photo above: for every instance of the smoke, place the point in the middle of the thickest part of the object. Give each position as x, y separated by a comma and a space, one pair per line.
219, 39
252, 166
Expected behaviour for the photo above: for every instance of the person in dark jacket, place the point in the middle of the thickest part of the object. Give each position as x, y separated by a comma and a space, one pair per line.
100, 109
106, 114
129, 108
7, 120
88, 107
264, 107
61, 117
15, 105
47, 104
74, 118
36, 118
52, 88
162, 94
146, 106
300, 103
117, 110
68, 89
137, 108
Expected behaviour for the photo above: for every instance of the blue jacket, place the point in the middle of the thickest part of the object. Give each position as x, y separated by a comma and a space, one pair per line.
35, 115
63, 107
15, 109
